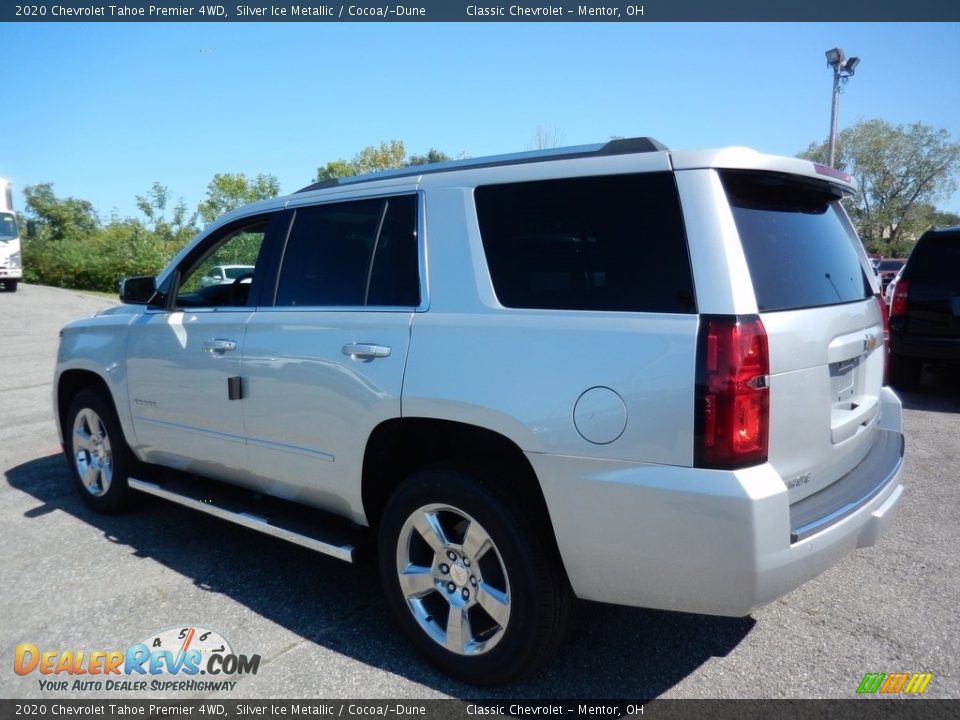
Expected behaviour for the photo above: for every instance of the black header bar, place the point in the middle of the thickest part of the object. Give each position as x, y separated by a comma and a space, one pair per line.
208, 709
458, 11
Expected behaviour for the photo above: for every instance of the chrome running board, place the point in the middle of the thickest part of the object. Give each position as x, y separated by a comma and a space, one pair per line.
230, 509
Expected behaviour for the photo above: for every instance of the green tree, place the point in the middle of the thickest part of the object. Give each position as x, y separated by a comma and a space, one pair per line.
942, 218
926, 216
122, 248
899, 170
387, 156
73, 249
433, 156
334, 170
374, 158
58, 219
231, 190
179, 228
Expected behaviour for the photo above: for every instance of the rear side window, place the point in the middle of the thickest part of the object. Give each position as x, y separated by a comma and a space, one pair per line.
595, 243
797, 248
362, 252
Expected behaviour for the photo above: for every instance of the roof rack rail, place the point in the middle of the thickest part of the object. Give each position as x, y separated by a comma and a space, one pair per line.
620, 146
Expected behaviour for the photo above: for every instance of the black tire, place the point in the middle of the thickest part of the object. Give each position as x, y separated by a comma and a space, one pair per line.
486, 568
11, 285
97, 453
905, 372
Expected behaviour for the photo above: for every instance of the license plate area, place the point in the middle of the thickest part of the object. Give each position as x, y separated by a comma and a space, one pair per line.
852, 410
843, 381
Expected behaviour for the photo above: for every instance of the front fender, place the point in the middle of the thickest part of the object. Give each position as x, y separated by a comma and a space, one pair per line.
96, 346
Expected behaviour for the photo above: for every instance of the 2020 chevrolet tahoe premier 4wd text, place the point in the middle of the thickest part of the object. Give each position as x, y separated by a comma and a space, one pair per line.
616, 372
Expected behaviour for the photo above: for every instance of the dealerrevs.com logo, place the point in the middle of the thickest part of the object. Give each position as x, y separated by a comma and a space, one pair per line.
894, 683
187, 659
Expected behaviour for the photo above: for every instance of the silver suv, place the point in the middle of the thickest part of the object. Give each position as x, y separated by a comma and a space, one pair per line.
613, 372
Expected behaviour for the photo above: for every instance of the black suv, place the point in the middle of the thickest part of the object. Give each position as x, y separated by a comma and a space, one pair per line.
925, 308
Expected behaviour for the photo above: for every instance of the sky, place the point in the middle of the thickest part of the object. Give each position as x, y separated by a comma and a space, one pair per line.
104, 110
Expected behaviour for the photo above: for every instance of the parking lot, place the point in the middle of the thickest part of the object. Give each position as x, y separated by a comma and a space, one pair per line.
75, 580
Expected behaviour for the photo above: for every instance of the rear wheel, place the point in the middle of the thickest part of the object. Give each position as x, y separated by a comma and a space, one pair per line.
476, 588
97, 453
905, 372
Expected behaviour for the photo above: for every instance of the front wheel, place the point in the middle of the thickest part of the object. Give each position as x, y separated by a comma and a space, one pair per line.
97, 453
478, 590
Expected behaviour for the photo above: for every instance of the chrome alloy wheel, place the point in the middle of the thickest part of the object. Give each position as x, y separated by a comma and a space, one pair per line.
91, 453
453, 579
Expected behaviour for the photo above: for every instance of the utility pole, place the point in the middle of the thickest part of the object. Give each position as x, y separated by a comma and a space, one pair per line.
843, 69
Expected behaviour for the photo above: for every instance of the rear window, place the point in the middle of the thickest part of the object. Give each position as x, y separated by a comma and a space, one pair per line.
612, 243
937, 258
797, 248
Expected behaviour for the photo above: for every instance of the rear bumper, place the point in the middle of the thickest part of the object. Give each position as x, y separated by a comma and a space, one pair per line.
708, 541
819, 511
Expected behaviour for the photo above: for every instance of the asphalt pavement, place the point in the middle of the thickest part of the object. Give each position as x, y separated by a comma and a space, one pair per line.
75, 580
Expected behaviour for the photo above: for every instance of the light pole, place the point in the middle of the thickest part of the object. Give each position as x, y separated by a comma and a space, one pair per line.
843, 69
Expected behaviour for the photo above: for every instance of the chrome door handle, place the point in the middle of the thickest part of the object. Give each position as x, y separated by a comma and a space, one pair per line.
219, 346
366, 351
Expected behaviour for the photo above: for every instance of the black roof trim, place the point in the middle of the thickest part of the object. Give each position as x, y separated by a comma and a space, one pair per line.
625, 146
622, 146
943, 230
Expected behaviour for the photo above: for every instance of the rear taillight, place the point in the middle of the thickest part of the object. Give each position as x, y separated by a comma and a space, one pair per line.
901, 291
885, 314
733, 395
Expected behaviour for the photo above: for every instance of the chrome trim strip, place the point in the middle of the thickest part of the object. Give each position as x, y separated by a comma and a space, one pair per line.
271, 445
189, 429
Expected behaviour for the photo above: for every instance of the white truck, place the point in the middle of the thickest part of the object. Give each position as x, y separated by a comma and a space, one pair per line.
11, 269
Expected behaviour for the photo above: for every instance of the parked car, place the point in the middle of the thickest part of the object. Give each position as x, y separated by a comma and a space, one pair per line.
601, 385
925, 308
888, 269
892, 286
225, 274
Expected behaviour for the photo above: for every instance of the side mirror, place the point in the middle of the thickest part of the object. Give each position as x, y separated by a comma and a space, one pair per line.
138, 290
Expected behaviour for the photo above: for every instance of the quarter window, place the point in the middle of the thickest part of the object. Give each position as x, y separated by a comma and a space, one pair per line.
612, 243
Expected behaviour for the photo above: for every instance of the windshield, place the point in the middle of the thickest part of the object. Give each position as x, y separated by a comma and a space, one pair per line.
238, 271
8, 226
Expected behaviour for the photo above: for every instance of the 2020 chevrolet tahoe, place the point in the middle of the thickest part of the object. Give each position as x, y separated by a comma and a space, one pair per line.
614, 372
